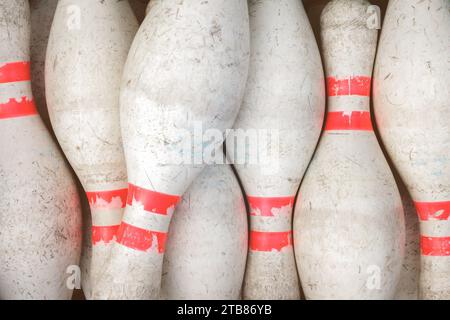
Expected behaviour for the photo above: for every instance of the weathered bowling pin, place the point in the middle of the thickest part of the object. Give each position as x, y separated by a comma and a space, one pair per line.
348, 223
40, 217
408, 286
411, 101
207, 241
284, 98
42, 12
87, 49
186, 68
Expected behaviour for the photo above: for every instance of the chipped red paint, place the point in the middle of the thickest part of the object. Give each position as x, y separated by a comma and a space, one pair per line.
352, 86
439, 210
15, 72
104, 199
435, 246
15, 109
352, 120
153, 201
140, 239
269, 241
263, 206
103, 234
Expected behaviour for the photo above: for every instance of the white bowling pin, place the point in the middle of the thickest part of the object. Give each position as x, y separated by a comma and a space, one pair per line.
411, 103
40, 217
348, 222
42, 12
186, 68
207, 241
285, 96
87, 49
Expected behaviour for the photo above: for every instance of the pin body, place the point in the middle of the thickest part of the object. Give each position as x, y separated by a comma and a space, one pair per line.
42, 13
411, 103
348, 222
186, 68
40, 229
284, 100
207, 242
87, 49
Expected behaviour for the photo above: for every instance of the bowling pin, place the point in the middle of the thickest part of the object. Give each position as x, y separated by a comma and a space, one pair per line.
284, 97
411, 104
186, 69
87, 49
42, 12
40, 217
207, 241
348, 223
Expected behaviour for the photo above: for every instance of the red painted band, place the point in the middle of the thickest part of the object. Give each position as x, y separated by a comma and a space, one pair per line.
141, 239
435, 246
433, 210
352, 86
352, 120
15, 109
112, 199
15, 72
263, 206
103, 234
269, 241
153, 201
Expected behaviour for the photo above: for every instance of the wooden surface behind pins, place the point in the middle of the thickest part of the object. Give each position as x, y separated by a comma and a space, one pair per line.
78, 295
139, 7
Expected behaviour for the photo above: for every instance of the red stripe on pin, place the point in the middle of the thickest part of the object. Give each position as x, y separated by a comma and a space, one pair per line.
140, 239
15, 109
266, 206
153, 201
15, 72
270, 241
352, 86
435, 246
112, 199
439, 210
103, 234
351, 120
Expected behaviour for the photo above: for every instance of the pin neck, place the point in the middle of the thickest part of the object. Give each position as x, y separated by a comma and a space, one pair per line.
351, 93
